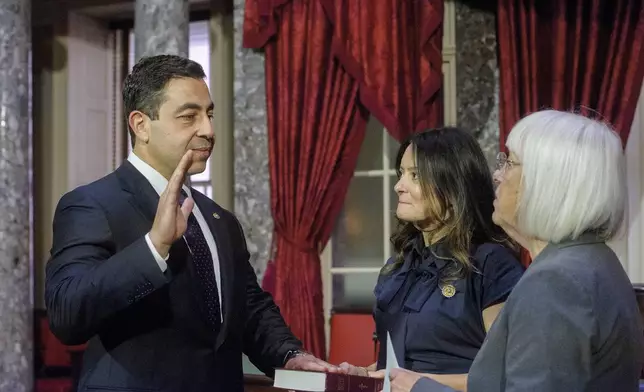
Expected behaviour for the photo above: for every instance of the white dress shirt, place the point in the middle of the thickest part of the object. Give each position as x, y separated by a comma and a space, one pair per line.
159, 183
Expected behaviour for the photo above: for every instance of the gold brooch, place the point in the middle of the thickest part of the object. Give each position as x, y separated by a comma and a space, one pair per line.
448, 290
215, 215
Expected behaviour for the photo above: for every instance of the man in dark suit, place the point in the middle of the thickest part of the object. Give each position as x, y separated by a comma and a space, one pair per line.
154, 274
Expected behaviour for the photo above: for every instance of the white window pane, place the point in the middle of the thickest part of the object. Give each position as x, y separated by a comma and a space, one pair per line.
359, 234
392, 150
393, 204
354, 291
209, 191
199, 46
131, 60
370, 157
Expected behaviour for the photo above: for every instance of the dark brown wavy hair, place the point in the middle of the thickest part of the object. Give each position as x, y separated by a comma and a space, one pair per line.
457, 183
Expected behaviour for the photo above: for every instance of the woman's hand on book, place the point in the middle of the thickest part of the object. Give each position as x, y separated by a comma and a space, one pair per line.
348, 368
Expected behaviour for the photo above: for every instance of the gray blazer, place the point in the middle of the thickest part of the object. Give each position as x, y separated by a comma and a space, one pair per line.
571, 324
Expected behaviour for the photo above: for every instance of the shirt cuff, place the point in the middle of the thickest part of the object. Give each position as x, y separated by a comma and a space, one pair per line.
160, 260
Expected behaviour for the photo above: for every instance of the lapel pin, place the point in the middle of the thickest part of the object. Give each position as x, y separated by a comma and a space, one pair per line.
448, 291
215, 215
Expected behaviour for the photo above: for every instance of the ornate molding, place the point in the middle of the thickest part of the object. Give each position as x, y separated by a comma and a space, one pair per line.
46, 12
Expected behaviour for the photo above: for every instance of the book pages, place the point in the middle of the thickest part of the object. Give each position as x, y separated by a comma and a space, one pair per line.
392, 363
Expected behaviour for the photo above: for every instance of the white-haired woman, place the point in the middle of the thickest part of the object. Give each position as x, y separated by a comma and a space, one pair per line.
572, 322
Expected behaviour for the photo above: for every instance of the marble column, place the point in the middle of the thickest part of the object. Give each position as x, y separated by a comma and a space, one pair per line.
252, 184
161, 27
477, 75
16, 298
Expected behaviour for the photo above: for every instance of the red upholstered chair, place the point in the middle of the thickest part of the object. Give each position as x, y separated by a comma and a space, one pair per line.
55, 370
54, 353
352, 339
54, 385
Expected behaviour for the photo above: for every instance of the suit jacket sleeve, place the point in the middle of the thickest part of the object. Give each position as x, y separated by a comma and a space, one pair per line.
267, 338
87, 280
550, 332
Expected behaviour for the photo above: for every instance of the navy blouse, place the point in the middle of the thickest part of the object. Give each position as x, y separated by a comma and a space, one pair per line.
432, 332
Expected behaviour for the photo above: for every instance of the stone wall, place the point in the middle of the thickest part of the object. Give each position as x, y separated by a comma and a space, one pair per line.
477, 76
252, 192
16, 300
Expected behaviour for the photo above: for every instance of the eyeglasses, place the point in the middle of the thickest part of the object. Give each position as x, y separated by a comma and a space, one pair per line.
503, 163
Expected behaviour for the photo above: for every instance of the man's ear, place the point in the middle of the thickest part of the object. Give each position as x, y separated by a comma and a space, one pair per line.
139, 123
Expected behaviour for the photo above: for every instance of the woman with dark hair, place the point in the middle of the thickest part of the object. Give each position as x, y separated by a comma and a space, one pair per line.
453, 267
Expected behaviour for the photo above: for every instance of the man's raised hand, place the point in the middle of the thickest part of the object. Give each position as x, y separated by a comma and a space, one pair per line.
171, 219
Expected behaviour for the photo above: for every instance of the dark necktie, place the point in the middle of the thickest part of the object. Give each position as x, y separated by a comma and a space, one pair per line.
203, 262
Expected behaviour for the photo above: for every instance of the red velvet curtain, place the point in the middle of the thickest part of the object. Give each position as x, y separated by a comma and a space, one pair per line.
315, 129
326, 62
583, 55
393, 48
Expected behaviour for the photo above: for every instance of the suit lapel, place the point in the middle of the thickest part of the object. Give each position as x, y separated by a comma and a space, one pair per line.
215, 219
142, 196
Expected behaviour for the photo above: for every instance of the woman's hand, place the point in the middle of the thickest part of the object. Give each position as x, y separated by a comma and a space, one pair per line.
347, 368
403, 380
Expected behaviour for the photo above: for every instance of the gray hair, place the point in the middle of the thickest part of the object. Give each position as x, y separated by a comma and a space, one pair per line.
573, 178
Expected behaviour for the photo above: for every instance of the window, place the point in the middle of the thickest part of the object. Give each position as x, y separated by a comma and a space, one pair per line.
361, 239
199, 51
360, 243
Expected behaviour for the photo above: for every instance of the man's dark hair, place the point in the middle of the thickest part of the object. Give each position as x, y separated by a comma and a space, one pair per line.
144, 87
